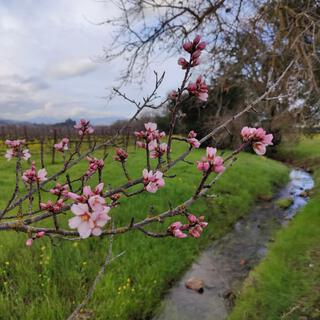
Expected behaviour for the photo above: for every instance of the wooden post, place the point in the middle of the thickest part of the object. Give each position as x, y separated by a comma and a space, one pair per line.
127, 138
42, 152
53, 148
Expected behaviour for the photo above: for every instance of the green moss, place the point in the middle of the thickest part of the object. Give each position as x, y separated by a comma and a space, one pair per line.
284, 203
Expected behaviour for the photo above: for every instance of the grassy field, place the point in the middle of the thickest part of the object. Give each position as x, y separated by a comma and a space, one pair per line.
286, 285
48, 280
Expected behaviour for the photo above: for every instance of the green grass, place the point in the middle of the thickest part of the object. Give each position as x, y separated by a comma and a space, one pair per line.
48, 280
286, 285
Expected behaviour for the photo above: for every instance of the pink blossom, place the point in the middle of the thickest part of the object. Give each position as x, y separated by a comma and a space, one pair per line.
192, 218
202, 45
195, 232
51, 206
194, 142
211, 153
14, 143
175, 229
194, 227
192, 134
9, 154
96, 202
196, 40
151, 132
40, 234
100, 218
141, 144
42, 175
94, 165
60, 189
192, 139
195, 62
188, 46
62, 145
26, 154
31, 175
156, 149
183, 63
199, 89
83, 127
203, 165
150, 126
88, 222
218, 165
153, 180
152, 138
29, 242
196, 54
87, 193
248, 133
195, 49
196, 44
258, 137
14, 150
197, 229
121, 155
211, 161
178, 233
140, 134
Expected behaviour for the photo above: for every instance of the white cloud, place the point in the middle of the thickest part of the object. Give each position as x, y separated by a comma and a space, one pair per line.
71, 68
47, 54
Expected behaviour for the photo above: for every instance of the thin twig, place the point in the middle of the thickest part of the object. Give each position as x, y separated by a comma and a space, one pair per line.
107, 261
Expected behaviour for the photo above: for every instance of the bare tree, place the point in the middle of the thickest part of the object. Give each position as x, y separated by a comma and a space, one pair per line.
249, 44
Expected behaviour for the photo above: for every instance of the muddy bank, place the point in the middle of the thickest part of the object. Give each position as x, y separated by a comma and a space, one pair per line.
227, 262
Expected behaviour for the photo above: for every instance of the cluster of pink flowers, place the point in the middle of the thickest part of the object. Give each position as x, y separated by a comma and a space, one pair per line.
157, 149
31, 175
195, 48
86, 194
194, 142
63, 145
52, 206
121, 155
38, 235
94, 165
211, 161
151, 133
152, 138
152, 180
259, 138
198, 89
60, 189
194, 227
15, 149
83, 127
90, 210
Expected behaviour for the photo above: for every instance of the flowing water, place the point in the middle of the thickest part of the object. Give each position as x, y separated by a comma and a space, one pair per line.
227, 262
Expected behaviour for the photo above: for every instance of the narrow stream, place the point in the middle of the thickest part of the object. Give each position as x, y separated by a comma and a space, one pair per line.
226, 263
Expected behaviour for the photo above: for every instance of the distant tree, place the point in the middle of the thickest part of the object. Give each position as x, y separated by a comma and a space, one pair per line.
67, 123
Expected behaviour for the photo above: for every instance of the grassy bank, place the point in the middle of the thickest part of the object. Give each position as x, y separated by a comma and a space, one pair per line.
286, 285
47, 281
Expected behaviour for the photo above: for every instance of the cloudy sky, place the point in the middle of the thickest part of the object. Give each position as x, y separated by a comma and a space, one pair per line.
49, 66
